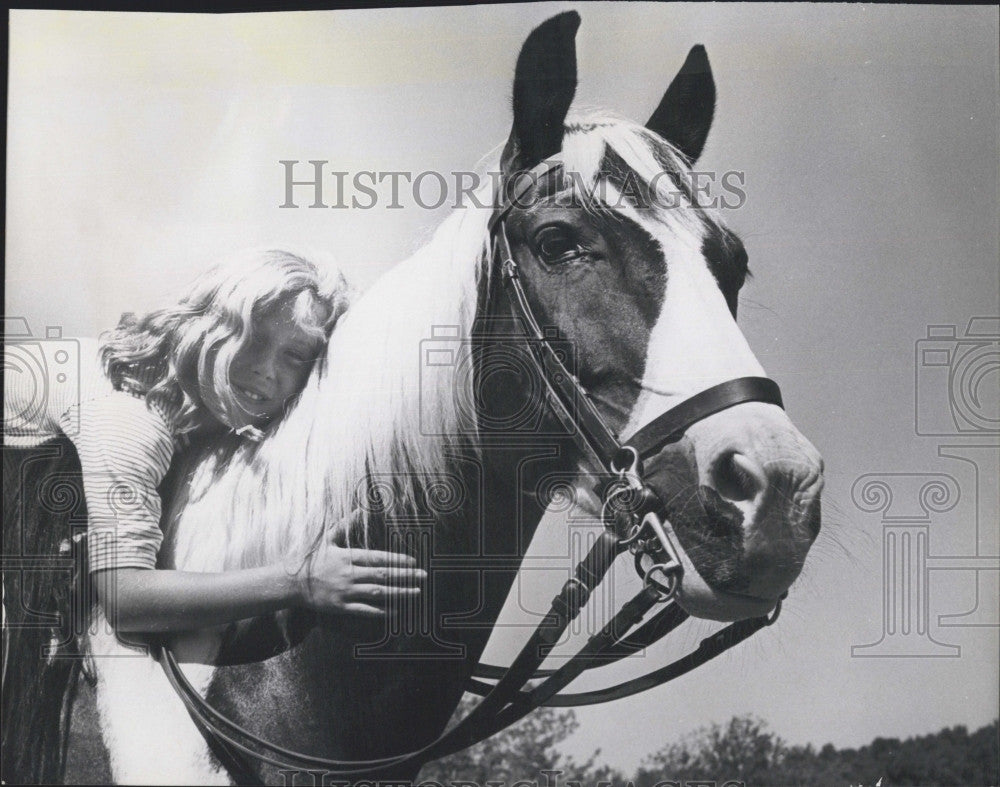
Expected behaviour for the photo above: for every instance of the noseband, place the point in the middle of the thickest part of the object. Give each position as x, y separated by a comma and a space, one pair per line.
633, 516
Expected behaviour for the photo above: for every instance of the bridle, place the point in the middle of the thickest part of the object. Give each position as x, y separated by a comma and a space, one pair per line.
633, 518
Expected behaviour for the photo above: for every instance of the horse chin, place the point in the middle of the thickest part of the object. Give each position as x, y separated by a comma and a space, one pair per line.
701, 600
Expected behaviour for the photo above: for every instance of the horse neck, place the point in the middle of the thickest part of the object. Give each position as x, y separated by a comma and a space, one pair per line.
400, 678
523, 446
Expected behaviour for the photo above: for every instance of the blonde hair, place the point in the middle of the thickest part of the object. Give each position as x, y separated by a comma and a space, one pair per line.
172, 355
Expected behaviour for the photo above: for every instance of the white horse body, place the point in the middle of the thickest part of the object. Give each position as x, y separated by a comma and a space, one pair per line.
149, 736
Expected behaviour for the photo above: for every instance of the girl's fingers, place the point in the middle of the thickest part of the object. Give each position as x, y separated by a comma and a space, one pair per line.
375, 557
377, 595
364, 609
388, 576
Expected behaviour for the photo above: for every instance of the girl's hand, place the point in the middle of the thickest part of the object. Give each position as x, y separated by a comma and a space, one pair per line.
360, 581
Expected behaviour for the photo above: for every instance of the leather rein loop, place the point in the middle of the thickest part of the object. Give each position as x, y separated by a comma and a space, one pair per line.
636, 527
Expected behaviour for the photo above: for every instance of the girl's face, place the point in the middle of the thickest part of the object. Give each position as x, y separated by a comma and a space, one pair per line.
272, 367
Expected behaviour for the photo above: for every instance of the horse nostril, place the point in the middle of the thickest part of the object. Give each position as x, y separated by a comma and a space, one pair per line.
738, 478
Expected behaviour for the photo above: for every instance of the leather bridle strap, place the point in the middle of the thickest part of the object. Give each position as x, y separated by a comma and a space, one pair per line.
476, 726
599, 654
708, 649
223, 734
226, 751
547, 693
479, 724
650, 632
561, 383
670, 425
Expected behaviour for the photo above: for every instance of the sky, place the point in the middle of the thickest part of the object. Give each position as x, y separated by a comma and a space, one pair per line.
142, 146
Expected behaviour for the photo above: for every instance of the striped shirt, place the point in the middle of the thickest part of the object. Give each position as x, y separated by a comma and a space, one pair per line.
124, 446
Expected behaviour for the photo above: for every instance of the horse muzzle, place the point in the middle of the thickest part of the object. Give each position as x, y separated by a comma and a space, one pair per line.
737, 510
719, 514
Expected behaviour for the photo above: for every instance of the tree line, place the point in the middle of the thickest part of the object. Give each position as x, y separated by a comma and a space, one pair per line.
743, 751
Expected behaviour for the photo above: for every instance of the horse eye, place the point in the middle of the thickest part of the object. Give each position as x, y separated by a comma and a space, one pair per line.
555, 245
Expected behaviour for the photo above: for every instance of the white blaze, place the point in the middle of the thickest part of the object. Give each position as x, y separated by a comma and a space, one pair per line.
695, 343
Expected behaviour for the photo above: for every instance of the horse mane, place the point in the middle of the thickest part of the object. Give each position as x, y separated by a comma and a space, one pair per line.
373, 414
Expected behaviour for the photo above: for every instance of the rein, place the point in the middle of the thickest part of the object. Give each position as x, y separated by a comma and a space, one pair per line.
633, 518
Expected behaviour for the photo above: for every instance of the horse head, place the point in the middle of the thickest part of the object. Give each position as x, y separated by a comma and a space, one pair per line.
614, 251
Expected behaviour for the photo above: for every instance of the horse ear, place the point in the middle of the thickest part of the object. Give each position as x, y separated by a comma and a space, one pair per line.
544, 84
684, 115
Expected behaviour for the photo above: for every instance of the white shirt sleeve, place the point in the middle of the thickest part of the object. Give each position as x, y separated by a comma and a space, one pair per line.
125, 451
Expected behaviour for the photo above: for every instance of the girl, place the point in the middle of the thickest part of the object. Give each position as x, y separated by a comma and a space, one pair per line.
232, 354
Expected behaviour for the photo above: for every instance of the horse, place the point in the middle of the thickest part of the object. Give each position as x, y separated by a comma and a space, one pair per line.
427, 429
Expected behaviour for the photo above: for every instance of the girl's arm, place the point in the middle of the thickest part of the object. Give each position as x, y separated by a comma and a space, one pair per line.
153, 600
125, 450
335, 580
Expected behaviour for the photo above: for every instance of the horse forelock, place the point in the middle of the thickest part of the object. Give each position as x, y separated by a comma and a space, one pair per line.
600, 149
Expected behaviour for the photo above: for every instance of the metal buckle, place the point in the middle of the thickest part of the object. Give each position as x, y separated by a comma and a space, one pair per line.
666, 587
627, 484
629, 471
617, 504
646, 540
669, 570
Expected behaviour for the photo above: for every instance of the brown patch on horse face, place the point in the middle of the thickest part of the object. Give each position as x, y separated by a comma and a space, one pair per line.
709, 528
605, 298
